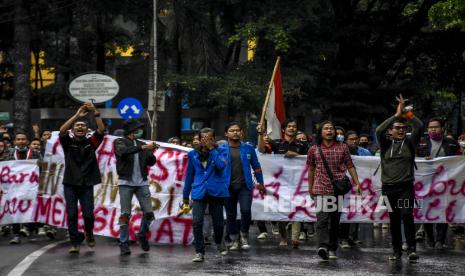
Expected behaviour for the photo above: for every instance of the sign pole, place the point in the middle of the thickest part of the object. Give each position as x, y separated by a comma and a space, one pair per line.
153, 122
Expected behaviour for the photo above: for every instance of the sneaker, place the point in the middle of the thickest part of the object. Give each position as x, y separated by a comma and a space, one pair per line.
440, 246
396, 256
90, 240
283, 243
404, 246
262, 236
332, 255
302, 236
295, 244
124, 249
376, 225
289, 226
385, 226
198, 258
5, 230
15, 240
413, 257
323, 253
275, 231
234, 246
345, 244
244, 243
24, 232
41, 231
223, 250
74, 249
419, 236
357, 242
144, 243
51, 233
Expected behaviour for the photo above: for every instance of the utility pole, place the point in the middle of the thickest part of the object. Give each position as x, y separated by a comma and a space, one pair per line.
153, 83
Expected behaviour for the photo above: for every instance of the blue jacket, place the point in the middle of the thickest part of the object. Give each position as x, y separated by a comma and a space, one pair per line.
363, 152
249, 160
213, 179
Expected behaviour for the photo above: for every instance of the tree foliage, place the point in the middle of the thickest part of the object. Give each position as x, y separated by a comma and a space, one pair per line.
345, 59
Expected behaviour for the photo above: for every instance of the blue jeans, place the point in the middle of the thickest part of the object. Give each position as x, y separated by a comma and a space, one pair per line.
143, 196
215, 208
244, 197
85, 196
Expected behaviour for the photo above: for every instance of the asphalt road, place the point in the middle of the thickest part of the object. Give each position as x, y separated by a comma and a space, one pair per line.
264, 258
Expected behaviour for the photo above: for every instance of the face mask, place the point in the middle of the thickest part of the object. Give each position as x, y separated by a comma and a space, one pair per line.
364, 144
138, 134
436, 136
340, 138
462, 144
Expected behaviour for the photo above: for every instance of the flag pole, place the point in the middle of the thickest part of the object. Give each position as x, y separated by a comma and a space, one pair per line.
267, 99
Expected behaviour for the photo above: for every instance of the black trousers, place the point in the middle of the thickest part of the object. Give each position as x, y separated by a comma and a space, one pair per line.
441, 232
401, 197
327, 227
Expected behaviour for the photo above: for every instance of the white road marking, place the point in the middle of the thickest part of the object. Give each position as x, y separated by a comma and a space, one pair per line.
20, 268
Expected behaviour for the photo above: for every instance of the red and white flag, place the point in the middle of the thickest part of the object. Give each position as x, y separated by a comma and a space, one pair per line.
275, 112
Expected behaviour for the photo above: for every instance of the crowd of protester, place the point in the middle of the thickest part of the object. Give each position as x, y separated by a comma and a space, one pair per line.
398, 140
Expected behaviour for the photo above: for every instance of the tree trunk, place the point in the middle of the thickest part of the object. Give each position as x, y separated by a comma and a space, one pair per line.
22, 68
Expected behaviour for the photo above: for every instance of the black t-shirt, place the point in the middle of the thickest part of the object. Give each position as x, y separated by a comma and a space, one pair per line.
81, 167
282, 146
237, 174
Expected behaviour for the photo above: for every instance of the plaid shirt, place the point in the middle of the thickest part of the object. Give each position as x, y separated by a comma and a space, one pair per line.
338, 158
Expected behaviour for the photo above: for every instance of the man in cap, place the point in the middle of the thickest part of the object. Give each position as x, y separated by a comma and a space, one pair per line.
133, 157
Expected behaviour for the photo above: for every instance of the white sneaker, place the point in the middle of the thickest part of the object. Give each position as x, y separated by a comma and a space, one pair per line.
332, 255
385, 226
302, 236
262, 236
275, 231
41, 231
16, 240
245, 243
223, 250
234, 246
24, 232
198, 258
345, 245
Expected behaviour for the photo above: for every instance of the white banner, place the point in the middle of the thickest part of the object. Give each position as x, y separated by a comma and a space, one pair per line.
439, 191
165, 179
19, 185
439, 185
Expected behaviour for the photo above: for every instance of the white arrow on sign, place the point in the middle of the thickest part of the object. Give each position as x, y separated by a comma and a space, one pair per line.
124, 109
135, 109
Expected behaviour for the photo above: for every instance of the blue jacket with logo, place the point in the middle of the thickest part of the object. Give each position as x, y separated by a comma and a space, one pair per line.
249, 160
214, 178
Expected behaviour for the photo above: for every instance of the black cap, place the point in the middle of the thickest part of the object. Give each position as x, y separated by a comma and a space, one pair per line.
131, 125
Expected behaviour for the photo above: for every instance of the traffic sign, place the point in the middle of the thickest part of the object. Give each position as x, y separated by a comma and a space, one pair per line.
130, 108
93, 87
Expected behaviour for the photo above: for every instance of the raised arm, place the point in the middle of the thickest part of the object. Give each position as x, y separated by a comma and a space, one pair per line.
82, 111
261, 141
98, 120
